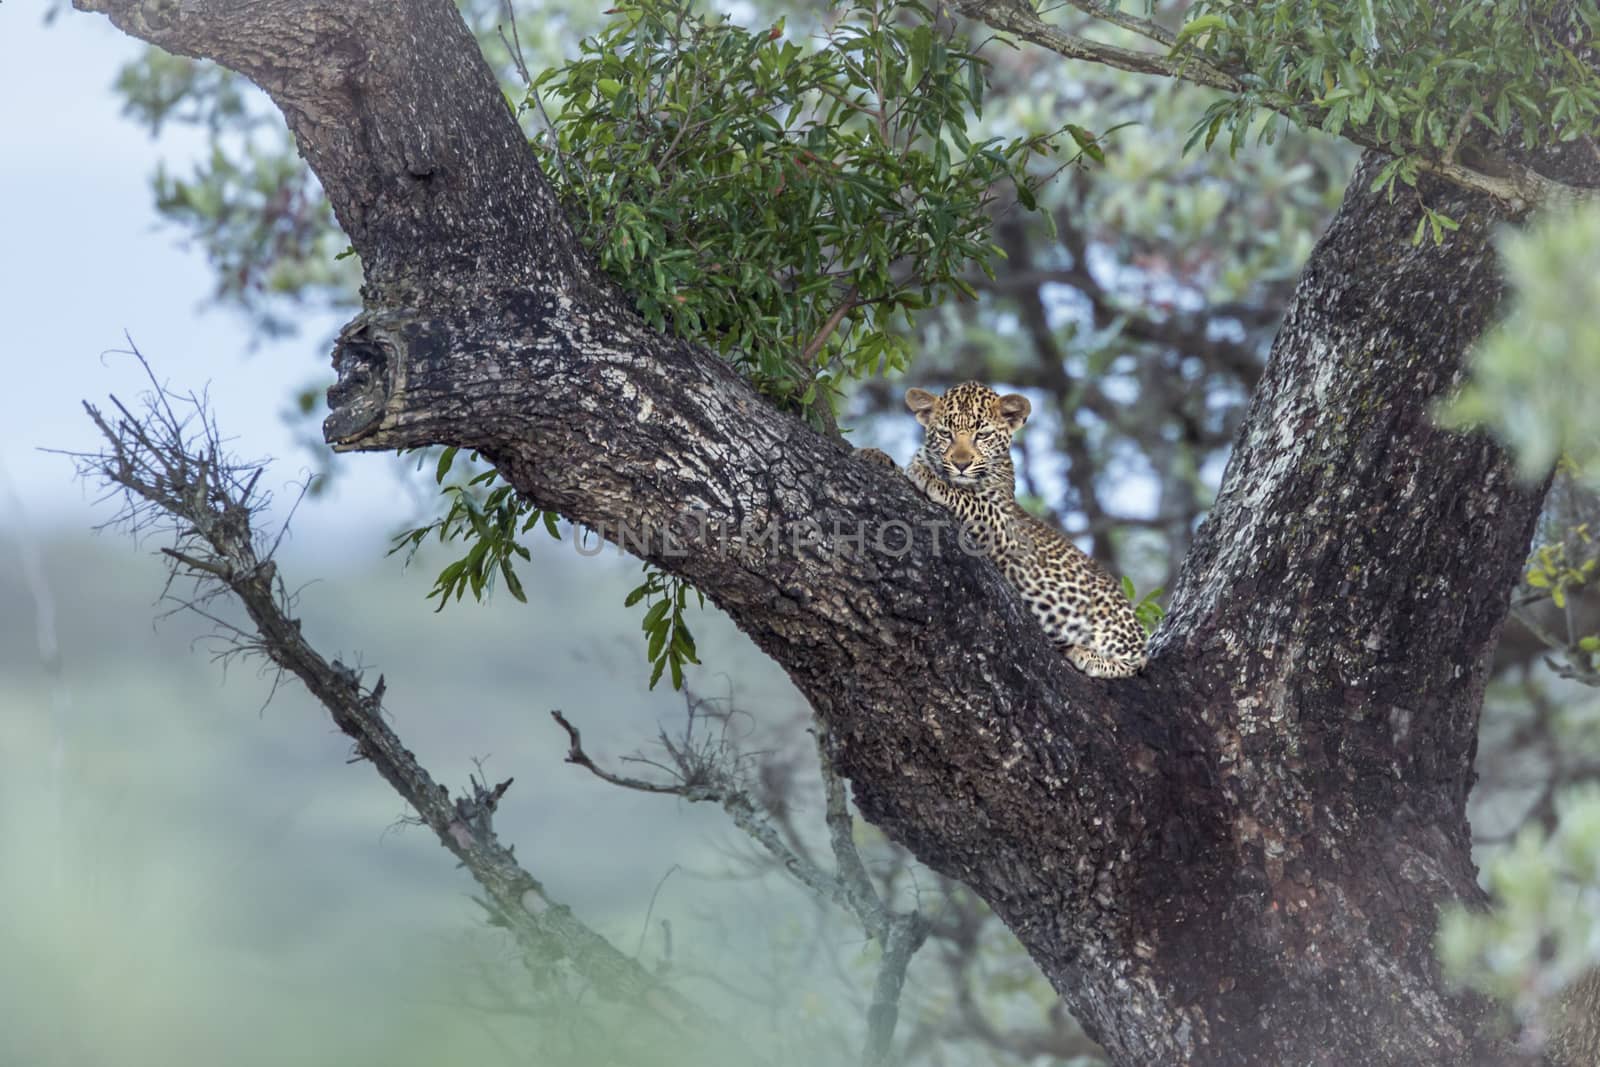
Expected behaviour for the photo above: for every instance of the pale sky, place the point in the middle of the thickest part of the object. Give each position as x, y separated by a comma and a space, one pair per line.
83, 258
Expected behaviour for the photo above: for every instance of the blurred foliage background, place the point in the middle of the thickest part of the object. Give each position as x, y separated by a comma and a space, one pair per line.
231, 886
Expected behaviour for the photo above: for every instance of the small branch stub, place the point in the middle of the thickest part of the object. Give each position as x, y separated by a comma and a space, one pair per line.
367, 359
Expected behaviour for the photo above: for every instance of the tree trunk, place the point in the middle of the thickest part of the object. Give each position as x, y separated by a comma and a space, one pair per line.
1236, 858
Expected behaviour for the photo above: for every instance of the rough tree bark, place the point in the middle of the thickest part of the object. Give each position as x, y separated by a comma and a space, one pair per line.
1234, 859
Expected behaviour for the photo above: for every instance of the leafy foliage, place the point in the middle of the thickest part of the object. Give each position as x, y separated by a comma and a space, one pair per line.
163, 87
1531, 387
668, 642
1543, 932
1531, 383
777, 203
1552, 569
267, 224
1424, 81
1147, 609
1524, 369
489, 518
1562, 570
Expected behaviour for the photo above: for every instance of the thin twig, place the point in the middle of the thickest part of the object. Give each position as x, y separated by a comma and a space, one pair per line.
906, 934
514, 45
697, 773
1146, 28
847, 305
864, 899
699, 784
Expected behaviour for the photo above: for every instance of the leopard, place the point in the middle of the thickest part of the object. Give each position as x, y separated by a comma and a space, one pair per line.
964, 464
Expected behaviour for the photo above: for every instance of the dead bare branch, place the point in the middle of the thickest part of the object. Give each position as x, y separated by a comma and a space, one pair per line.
168, 464
711, 772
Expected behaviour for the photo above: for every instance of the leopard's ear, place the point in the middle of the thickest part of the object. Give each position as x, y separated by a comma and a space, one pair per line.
1015, 409
921, 403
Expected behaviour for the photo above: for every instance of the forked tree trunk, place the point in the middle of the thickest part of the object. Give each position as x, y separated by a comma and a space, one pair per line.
1236, 858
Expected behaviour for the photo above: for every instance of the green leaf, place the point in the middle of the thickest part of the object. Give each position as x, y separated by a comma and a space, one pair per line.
1087, 143
683, 642
513, 583
446, 459
1195, 27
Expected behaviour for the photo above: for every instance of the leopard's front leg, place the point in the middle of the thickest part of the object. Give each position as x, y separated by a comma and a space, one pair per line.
936, 488
978, 532
932, 486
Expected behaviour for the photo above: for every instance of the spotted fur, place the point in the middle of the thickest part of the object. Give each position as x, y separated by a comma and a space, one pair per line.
965, 465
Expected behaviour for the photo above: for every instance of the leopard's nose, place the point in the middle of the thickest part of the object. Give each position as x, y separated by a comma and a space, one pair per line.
961, 463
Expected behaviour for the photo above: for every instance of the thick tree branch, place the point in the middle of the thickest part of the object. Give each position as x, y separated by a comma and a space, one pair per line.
1195, 857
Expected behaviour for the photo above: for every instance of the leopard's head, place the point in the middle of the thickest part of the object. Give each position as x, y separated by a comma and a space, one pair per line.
968, 434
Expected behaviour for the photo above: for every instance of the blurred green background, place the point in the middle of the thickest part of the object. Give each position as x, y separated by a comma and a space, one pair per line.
194, 873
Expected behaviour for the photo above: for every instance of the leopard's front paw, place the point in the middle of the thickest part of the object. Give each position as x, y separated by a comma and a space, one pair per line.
873, 455
930, 484
920, 475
